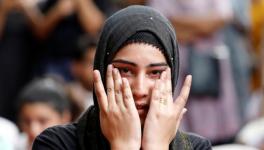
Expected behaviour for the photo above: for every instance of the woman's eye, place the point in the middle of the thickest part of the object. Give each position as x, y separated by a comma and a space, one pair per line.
155, 73
124, 71
43, 121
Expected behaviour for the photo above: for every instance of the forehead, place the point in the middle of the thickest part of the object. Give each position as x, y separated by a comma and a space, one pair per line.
140, 54
36, 109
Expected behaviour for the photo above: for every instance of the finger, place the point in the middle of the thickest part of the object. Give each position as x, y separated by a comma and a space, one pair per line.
184, 110
158, 87
155, 95
110, 87
127, 95
157, 99
168, 86
163, 97
99, 91
182, 98
118, 90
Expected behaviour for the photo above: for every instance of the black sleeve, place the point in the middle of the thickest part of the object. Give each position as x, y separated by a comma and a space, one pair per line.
57, 138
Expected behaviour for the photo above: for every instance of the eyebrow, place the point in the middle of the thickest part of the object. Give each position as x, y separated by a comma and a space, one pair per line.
124, 62
134, 64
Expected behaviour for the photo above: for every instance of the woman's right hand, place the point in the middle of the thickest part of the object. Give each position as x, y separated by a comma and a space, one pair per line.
119, 118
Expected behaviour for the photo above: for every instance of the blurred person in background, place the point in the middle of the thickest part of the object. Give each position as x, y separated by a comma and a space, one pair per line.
124, 3
237, 38
234, 147
81, 88
257, 15
41, 104
213, 106
16, 55
252, 134
58, 24
257, 38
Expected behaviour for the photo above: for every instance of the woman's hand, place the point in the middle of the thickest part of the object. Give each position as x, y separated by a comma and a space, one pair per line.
164, 116
119, 118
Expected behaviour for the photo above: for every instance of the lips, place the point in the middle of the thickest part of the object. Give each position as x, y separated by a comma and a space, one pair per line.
142, 108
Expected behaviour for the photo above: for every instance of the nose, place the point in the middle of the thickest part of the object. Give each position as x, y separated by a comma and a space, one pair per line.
140, 87
34, 131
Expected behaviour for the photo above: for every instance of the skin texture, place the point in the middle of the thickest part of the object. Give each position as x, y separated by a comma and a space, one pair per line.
36, 117
139, 96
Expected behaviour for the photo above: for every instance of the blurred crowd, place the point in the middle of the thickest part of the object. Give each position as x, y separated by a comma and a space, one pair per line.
47, 49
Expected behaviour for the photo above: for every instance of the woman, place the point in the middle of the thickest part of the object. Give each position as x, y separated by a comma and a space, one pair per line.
136, 67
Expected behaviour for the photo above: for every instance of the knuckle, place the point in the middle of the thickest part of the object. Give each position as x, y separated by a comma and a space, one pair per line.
109, 90
169, 91
127, 96
117, 91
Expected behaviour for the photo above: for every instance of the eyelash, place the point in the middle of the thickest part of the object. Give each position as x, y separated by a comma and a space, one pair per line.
155, 73
126, 72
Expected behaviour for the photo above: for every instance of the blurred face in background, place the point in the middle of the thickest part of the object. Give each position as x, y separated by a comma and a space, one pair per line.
83, 70
36, 117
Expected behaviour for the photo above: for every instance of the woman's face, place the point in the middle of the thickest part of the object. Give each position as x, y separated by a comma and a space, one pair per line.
141, 64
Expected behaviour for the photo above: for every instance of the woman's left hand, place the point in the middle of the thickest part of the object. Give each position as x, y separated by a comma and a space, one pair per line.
164, 115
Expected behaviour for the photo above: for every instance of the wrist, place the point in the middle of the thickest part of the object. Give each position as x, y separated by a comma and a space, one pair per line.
155, 146
122, 145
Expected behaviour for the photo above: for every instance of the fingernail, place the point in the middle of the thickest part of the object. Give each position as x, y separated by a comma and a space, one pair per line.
116, 71
168, 69
163, 75
109, 67
190, 76
184, 110
168, 73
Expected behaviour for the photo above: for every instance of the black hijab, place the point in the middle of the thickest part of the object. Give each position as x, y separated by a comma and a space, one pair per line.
125, 23
117, 30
